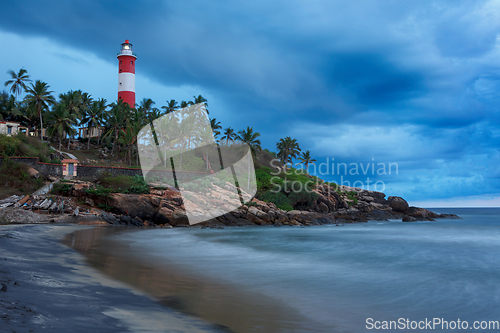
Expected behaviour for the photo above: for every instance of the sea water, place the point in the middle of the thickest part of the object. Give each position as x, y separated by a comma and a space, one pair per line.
329, 278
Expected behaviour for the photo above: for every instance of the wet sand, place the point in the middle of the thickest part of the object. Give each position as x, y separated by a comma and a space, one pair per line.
229, 307
48, 287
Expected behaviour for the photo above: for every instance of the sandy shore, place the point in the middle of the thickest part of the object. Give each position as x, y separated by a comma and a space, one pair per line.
47, 287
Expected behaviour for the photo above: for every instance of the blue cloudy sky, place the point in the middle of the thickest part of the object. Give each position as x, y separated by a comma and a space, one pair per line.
409, 82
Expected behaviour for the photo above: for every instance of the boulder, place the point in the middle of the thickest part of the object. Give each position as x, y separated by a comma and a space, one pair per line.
407, 218
422, 213
132, 205
79, 189
398, 204
89, 202
33, 173
323, 208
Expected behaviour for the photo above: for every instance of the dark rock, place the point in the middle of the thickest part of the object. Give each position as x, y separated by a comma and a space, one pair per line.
125, 219
4, 288
422, 214
407, 218
132, 205
398, 204
109, 218
323, 208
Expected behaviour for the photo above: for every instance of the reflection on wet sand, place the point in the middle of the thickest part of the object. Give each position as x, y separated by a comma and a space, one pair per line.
231, 309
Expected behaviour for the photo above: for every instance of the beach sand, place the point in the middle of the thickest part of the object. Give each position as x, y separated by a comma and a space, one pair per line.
48, 287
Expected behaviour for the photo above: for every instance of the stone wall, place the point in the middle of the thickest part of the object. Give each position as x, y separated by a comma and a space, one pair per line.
48, 169
31, 161
94, 172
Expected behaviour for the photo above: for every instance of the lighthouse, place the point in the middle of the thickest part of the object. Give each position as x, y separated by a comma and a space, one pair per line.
126, 74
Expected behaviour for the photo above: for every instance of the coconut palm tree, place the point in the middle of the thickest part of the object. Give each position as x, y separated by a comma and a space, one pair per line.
215, 127
73, 100
146, 105
28, 116
94, 117
250, 138
40, 97
61, 122
229, 135
198, 100
116, 120
171, 106
306, 159
9, 108
18, 81
128, 136
288, 149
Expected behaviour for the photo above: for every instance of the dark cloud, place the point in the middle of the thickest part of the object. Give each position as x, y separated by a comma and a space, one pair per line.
408, 81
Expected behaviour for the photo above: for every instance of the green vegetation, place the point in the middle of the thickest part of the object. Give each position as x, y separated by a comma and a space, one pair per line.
278, 198
14, 179
290, 189
21, 145
277, 179
61, 188
121, 184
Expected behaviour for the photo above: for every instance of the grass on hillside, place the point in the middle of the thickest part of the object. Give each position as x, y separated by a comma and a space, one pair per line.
15, 180
21, 145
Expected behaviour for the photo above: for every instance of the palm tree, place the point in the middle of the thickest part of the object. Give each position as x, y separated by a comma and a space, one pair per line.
306, 159
171, 106
128, 137
73, 100
116, 120
250, 138
215, 127
18, 81
61, 122
229, 134
205, 137
288, 149
94, 117
29, 116
9, 108
198, 100
41, 97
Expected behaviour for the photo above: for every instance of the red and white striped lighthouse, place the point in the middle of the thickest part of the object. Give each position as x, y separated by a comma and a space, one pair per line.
126, 74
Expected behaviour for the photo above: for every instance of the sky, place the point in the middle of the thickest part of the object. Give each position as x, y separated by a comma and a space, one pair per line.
398, 96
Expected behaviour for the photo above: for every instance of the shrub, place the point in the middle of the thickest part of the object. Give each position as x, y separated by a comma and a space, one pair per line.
278, 198
120, 184
302, 199
264, 179
61, 189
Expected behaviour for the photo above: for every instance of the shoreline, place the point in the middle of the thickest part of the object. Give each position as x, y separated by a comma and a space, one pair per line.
224, 304
49, 286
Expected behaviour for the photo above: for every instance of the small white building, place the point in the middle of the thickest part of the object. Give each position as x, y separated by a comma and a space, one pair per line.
94, 132
69, 167
12, 128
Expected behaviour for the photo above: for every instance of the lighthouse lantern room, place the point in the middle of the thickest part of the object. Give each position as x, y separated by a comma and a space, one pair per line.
126, 74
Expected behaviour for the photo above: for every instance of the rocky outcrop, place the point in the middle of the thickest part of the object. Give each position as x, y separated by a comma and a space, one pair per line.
132, 205
398, 204
165, 207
